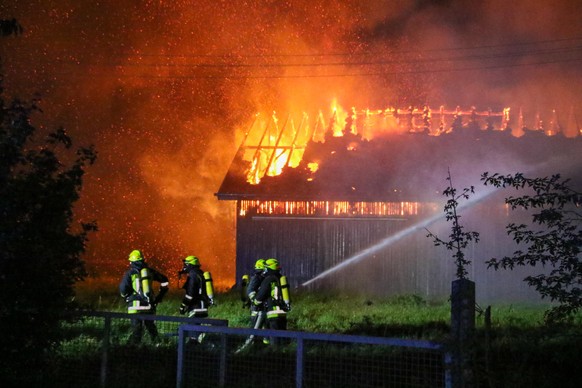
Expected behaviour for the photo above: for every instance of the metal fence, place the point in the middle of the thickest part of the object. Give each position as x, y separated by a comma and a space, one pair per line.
235, 357
97, 352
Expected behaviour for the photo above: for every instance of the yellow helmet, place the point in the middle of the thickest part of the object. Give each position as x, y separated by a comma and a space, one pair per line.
135, 255
272, 264
192, 260
260, 264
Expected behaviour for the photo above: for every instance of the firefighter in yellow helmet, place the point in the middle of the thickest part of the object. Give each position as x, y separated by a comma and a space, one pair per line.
199, 293
274, 293
199, 290
136, 288
257, 310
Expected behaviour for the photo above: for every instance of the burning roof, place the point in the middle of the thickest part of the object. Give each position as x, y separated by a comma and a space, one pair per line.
392, 154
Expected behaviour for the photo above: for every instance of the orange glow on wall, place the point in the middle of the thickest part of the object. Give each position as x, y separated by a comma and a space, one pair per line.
335, 208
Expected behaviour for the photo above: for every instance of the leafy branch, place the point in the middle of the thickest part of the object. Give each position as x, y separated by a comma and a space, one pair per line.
553, 240
458, 239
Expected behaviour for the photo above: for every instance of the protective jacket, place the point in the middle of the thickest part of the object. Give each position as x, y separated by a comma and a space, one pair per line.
136, 288
257, 309
254, 284
196, 300
270, 293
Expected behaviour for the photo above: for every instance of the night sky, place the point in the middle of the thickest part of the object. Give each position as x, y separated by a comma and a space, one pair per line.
165, 91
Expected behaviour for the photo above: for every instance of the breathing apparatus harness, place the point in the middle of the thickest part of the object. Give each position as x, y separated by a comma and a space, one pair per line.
188, 300
143, 298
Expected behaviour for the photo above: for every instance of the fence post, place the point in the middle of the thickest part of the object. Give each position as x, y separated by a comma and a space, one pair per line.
105, 350
462, 331
222, 377
180, 366
448, 358
299, 367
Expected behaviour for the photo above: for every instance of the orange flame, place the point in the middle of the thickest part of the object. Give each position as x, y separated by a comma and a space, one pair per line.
274, 146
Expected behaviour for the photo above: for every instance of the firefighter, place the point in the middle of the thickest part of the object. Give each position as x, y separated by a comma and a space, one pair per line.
250, 288
136, 288
257, 310
199, 292
274, 293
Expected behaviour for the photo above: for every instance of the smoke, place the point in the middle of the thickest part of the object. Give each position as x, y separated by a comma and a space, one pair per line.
165, 91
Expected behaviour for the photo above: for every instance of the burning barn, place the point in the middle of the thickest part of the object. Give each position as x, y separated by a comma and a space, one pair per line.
344, 202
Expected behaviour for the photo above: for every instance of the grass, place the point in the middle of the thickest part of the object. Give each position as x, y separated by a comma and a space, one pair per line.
404, 315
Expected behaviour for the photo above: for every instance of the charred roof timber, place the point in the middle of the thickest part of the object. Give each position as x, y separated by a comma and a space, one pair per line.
394, 155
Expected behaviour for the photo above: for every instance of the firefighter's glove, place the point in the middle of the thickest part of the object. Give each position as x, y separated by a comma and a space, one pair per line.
183, 309
287, 307
211, 302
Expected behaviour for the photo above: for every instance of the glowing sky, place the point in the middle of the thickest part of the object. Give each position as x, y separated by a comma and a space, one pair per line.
165, 90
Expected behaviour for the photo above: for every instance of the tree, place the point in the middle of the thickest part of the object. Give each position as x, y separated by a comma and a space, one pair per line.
10, 27
458, 239
40, 247
553, 239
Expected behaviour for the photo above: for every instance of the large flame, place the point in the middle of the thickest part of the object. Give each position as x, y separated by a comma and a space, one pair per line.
283, 146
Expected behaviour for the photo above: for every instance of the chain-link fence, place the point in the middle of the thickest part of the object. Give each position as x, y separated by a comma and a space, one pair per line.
99, 351
231, 357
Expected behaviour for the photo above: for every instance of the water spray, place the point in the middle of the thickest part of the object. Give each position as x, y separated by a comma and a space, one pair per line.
396, 237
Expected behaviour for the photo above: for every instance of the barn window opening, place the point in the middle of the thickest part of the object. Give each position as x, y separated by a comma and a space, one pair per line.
336, 208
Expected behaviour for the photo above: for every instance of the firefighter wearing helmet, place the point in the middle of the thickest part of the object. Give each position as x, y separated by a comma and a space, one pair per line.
274, 293
136, 288
198, 287
257, 310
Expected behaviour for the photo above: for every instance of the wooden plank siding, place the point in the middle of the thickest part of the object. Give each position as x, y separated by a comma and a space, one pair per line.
308, 246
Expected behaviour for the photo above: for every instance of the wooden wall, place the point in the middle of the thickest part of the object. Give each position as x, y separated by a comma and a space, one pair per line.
308, 246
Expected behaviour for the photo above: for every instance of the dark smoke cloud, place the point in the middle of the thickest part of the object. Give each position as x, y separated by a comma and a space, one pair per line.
146, 82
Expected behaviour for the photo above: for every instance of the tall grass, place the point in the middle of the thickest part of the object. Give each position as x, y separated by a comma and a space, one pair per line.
403, 315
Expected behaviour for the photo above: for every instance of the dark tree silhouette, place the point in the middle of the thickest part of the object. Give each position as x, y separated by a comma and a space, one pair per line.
40, 245
553, 239
10, 27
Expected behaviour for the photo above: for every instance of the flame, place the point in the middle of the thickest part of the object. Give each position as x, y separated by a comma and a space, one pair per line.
338, 120
253, 173
336, 208
273, 144
554, 126
279, 161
